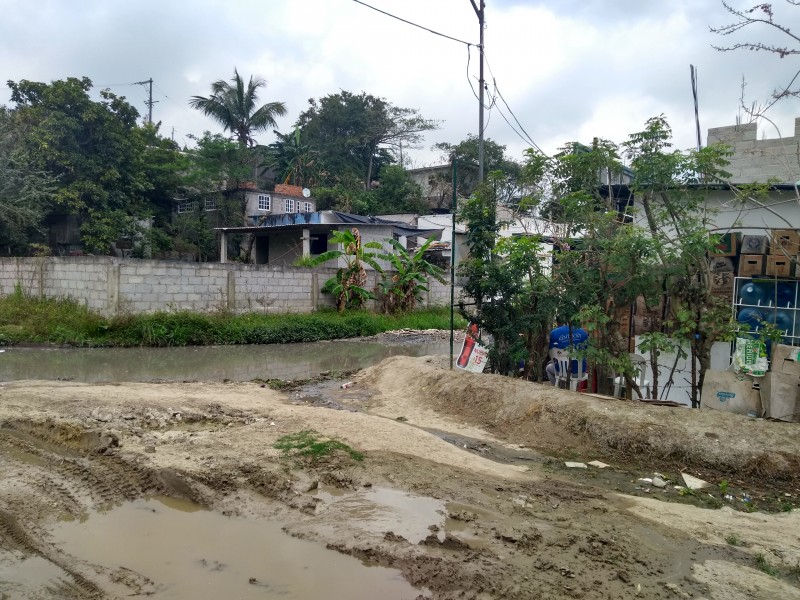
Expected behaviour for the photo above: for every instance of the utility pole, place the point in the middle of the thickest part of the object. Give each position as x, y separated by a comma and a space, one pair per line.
149, 102
479, 11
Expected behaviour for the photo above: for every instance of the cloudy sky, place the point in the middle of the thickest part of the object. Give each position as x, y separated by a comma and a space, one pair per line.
567, 69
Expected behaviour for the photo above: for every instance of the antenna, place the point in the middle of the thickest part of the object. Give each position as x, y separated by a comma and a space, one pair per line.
149, 102
693, 73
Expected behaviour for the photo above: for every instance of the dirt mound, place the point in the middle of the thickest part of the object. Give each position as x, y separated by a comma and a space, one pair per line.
565, 423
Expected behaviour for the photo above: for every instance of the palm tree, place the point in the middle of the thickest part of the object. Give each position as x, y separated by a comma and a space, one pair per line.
233, 106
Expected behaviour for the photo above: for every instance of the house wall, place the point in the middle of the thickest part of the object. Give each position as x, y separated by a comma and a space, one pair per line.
277, 205
113, 286
757, 160
285, 247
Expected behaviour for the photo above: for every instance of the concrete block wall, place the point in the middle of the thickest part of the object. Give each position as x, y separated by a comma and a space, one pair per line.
113, 286
755, 160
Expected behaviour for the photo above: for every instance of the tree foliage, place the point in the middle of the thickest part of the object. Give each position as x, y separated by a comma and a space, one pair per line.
95, 151
357, 134
602, 261
466, 153
25, 193
234, 105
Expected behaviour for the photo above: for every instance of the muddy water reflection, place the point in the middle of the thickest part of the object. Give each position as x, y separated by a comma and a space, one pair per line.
202, 363
203, 555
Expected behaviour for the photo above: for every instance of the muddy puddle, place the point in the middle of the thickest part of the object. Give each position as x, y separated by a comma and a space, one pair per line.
204, 363
384, 510
180, 550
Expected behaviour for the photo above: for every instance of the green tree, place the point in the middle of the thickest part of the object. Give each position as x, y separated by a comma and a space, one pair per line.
356, 134
294, 160
234, 105
25, 193
92, 148
397, 192
216, 171
673, 186
494, 157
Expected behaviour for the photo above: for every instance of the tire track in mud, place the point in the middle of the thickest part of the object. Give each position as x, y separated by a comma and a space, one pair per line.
104, 475
74, 470
13, 536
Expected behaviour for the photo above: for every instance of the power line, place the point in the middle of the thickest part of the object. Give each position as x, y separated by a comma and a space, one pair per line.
413, 24
526, 137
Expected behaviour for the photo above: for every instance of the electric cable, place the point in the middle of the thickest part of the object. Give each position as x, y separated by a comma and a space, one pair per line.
414, 24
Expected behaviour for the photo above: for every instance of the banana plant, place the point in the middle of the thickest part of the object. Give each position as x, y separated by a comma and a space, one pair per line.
402, 287
347, 286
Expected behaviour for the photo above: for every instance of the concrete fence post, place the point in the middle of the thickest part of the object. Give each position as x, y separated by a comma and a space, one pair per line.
112, 283
314, 291
231, 290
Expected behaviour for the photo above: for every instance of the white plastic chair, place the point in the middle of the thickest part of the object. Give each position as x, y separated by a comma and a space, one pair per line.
564, 369
639, 371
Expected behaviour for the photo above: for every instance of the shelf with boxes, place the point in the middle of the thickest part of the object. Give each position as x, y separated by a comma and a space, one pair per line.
775, 301
773, 255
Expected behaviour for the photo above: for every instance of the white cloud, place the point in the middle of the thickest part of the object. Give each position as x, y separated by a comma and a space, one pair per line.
569, 70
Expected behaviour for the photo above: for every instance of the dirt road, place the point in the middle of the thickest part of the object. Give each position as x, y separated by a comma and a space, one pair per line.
513, 521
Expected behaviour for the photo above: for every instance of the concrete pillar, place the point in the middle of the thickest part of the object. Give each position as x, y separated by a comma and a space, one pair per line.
231, 290
306, 243
112, 286
223, 247
41, 264
403, 241
315, 291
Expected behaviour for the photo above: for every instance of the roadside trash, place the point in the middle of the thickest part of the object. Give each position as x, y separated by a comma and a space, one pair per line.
598, 464
347, 385
746, 499
693, 483
728, 497
659, 483
646, 479
272, 423
575, 465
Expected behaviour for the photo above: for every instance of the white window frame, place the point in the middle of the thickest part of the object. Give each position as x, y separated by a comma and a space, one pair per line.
211, 205
187, 206
264, 202
306, 207
288, 205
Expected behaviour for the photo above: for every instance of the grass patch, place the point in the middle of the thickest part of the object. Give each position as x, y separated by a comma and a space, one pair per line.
733, 539
25, 319
763, 565
309, 443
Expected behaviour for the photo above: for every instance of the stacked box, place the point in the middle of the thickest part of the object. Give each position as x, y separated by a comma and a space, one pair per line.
785, 242
727, 245
721, 284
755, 244
779, 265
751, 265
720, 264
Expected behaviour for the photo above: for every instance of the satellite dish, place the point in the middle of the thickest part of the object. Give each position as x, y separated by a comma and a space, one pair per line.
306, 193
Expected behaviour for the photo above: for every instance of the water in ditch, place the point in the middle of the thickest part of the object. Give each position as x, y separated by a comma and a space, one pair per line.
204, 363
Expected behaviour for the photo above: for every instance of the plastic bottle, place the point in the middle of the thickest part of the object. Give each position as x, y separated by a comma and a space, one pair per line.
751, 317
469, 344
753, 294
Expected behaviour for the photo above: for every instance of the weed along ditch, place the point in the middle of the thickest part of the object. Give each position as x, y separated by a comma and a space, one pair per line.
367, 469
